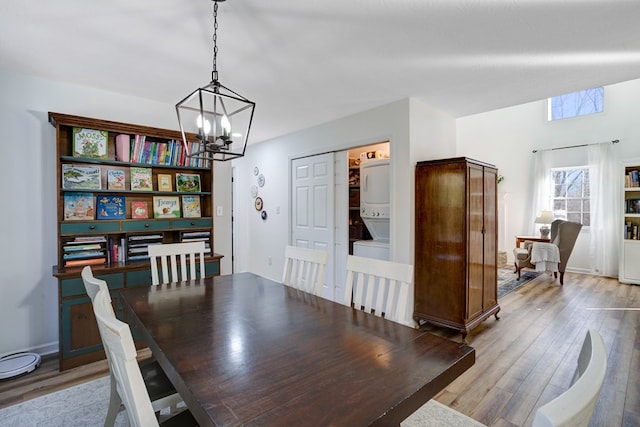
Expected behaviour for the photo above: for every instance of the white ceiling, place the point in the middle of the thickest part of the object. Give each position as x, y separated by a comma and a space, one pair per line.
306, 62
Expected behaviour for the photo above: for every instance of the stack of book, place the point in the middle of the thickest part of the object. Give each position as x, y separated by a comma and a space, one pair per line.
630, 231
198, 236
137, 245
85, 250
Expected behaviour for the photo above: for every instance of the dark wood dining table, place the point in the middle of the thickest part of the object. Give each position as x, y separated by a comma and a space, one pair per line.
245, 350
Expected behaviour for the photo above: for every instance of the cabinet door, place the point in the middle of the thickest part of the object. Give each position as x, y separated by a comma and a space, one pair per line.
79, 328
490, 288
475, 257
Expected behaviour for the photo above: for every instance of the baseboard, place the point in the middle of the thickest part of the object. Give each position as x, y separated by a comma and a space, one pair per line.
42, 350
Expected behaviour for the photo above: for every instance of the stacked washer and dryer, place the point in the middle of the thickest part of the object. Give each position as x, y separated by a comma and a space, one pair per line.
375, 209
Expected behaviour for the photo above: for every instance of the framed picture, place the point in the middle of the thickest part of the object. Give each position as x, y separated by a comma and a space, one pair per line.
90, 143
76, 177
188, 183
166, 207
190, 206
164, 182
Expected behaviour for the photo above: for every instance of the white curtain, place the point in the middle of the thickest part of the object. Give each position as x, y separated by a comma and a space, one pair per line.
541, 188
605, 221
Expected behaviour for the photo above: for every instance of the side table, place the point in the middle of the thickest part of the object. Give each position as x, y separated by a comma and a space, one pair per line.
521, 239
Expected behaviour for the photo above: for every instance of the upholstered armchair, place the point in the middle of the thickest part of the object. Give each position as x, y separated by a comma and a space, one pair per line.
563, 234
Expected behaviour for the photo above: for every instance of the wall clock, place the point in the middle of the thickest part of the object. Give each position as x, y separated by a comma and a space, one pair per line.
258, 203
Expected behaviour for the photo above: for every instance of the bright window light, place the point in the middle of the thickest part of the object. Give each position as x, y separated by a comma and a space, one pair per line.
588, 101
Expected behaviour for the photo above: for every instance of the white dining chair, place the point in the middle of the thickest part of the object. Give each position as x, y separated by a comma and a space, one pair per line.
190, 255
378, 287
575, 406
160, 390
130, 386
305, 269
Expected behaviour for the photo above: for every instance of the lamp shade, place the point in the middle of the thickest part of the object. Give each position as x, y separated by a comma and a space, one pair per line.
544, 217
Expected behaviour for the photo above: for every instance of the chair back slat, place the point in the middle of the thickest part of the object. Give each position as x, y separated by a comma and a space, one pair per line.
305, 269
168, 256
119, 345
378, 287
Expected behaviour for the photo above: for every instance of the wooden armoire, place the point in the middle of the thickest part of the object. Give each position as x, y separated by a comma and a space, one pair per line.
456, 243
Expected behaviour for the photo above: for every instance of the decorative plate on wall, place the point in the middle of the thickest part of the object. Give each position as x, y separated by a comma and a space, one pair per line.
256, 171
258, 203
254, 191
260, 180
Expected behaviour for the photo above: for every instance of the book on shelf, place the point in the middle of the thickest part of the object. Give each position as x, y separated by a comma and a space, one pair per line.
141, 179
166, 207
77, 177
110, 207
81, 262
164, 182
139, 210
83, 254
78, 206
115, 179
91, 143
191, 206
188, 183
137, 237
73, 247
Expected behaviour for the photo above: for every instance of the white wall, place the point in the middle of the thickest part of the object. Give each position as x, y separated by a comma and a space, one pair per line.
507, 137
28, 291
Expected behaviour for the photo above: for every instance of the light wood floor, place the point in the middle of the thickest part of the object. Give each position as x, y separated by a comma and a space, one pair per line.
522, 361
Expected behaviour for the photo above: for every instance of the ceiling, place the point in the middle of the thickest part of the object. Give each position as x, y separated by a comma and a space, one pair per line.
307, 62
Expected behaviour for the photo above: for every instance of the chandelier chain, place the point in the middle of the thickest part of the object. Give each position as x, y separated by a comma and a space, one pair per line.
214, 73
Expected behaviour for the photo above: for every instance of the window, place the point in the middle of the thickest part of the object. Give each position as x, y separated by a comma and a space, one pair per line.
575, 104
571, 194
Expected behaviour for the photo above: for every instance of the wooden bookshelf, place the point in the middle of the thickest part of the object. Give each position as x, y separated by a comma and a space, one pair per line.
115, 248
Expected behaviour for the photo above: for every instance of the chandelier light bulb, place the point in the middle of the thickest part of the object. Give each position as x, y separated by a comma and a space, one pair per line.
226, 125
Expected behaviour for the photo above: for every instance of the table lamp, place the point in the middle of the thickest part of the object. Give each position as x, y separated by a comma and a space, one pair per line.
545, 218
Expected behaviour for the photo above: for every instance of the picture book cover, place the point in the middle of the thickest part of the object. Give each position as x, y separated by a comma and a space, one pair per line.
191, 206
90, 143
141, 179
166, 207
188, 182
111, 207
164, 182
76, 177
78, 206
115, 179
139, 210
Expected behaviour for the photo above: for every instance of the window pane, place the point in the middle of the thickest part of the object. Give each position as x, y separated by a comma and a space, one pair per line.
574, 104
571, 194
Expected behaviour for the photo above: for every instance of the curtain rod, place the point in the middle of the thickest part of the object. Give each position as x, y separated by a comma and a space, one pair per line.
615, 141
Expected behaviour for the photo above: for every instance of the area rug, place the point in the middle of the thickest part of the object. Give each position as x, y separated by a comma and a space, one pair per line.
85, 405
508, 280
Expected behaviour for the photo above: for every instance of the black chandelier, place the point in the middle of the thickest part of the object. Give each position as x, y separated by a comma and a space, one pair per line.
214, 120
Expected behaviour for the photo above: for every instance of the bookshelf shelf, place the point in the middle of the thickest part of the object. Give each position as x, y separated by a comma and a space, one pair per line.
94, 183
629, 269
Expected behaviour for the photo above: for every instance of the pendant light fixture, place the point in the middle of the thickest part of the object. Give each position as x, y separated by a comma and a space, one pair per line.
215, 120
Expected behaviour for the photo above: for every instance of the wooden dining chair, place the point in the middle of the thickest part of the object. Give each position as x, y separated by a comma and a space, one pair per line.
190, 255
160, 390
118, 344
378, 287
305, 269
575, 406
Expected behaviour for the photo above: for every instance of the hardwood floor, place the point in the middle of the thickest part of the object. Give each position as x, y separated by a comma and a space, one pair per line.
522, 361
529, 356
